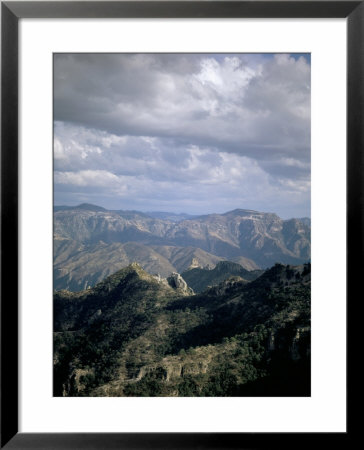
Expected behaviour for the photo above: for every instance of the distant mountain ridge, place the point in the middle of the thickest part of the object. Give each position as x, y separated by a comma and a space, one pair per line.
163, 215
85, 206
174, 217
260, 237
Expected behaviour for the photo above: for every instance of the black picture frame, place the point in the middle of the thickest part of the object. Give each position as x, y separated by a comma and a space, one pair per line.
11, 12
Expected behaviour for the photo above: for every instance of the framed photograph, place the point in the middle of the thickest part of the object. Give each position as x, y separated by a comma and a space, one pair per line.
174, 177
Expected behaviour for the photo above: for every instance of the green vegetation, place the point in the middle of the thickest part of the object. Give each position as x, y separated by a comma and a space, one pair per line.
134, 336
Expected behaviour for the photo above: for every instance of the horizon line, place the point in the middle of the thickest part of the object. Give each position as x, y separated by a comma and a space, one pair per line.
175, 213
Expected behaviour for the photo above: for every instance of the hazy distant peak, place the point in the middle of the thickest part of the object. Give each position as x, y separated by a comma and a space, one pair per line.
85, 206
248, 213
90, 207
239, 211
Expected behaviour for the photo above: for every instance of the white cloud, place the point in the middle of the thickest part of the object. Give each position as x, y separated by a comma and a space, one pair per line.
90, 178
184, 128
223, 101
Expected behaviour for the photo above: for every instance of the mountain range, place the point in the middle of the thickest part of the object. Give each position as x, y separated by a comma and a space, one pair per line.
91, 242
135, 334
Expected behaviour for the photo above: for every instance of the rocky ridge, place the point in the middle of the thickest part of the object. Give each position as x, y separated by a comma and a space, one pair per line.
135, 335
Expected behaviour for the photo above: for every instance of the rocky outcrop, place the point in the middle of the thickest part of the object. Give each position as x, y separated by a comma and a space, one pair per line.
194, 264
177, 282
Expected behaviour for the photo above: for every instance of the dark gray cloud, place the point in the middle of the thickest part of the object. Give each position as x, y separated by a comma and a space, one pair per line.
178, 130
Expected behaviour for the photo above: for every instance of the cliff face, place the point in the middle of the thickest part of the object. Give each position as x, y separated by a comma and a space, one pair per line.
136, 335
176, 281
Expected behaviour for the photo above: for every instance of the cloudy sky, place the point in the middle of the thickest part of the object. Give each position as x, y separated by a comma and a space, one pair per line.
194, 133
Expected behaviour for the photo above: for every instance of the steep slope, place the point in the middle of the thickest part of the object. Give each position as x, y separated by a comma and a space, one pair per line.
134, 335
247, 263
78, 266
87, 265
200, 279
183, 258
130, 290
